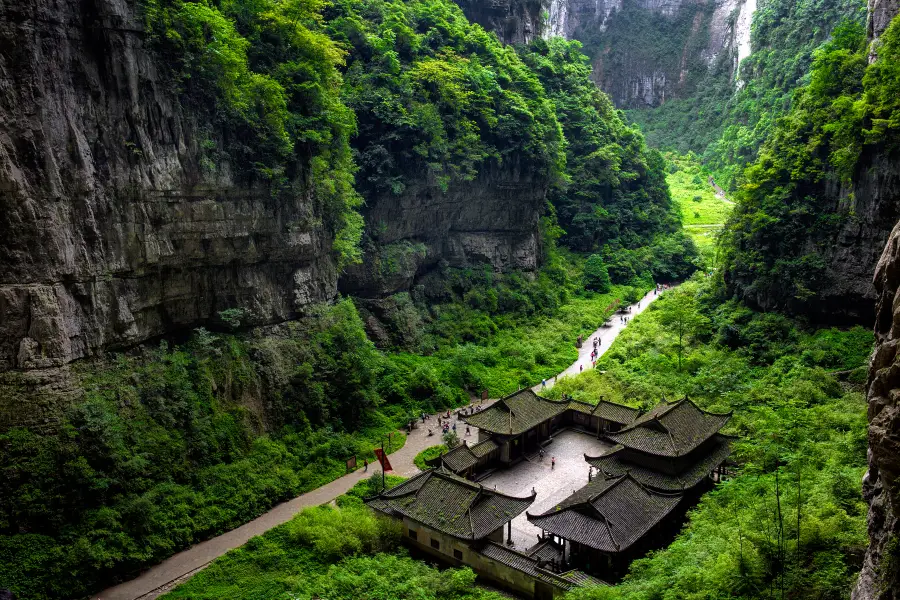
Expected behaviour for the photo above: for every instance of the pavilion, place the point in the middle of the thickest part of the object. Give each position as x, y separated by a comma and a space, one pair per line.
604, 525
674, 447
523, 421
461, 522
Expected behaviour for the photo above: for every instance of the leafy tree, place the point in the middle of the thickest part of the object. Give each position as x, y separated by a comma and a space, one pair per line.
596, 277
680, 314
451, 439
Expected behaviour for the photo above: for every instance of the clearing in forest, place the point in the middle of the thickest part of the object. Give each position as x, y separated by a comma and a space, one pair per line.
703, 213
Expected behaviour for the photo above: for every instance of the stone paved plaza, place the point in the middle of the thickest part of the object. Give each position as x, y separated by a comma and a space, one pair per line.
551, 485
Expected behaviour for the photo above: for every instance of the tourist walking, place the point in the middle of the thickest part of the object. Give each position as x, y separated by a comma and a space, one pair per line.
543, 383
552, 462
365, 465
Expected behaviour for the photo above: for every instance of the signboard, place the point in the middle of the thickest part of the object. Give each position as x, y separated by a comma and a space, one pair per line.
484, 395
383, 459
351, 464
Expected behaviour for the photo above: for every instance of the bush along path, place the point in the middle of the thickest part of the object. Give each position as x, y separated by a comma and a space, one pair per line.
180, 567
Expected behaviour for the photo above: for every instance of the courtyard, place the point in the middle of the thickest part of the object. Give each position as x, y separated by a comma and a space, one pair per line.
551, 484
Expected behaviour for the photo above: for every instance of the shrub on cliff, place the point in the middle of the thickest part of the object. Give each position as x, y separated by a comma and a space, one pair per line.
438, 98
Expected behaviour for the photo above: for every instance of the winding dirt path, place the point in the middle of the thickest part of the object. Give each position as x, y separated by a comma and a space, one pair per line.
179, 568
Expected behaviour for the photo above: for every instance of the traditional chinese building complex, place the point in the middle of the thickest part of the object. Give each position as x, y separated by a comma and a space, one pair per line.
660, 462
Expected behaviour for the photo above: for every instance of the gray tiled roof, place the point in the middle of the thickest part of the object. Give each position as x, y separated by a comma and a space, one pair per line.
528, 565
524, 410
617, 413
450, 504
609, 515
671, 429
612, 464
516, 413
464, 456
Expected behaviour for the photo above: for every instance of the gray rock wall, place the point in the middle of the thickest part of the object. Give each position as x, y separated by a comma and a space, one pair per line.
514, 21
112, 231
628, 63
881, 13
880, 576
493, 221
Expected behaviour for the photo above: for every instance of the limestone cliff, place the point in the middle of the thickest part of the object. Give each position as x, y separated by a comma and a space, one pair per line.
881, 13
848, 253
514, 21
115, 228
880, 576
647, 51
492, 220
643, 51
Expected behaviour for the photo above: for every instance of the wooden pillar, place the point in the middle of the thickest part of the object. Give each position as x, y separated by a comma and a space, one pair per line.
509, 532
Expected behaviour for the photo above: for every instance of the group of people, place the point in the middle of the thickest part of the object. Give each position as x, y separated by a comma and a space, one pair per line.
445, 421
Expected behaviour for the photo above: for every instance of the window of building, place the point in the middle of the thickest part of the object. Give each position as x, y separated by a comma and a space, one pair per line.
435, 544
412, 534
457, 554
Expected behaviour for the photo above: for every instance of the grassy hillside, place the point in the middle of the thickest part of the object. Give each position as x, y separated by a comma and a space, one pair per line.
703, 213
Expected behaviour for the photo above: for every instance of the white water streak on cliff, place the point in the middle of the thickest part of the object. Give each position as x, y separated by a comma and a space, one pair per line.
742, 31
556, 20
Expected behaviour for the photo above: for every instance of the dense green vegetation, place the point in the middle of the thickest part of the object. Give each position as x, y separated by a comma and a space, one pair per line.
437, 97
428, 454
169, 447
726, 123
344, 553
485, 331
800, 418
176, 444
790, 204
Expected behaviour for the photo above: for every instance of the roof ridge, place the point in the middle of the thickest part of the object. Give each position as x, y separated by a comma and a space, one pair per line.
602, 492
449, 476
671, 440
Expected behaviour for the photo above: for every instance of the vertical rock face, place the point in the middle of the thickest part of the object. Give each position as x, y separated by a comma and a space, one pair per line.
114, 231
849, 252
880, 576
514, 21
643, 51
491, 221
881, 13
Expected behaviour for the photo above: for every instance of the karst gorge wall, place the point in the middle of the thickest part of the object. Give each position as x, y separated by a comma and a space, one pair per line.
113, 231
880, 576
116, 231
643, 51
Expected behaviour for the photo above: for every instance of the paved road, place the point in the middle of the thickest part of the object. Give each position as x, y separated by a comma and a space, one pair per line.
552, 484
606, 335
180, 567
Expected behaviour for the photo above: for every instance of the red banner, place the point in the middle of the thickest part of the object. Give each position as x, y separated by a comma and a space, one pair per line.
383, 459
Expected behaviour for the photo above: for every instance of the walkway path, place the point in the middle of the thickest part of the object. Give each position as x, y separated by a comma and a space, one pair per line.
180, 567
606, 336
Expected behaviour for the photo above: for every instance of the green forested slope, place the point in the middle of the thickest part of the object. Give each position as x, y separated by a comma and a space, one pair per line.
614, 198
790, 516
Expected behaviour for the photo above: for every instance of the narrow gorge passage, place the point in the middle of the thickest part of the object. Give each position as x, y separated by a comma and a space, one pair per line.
179, 568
